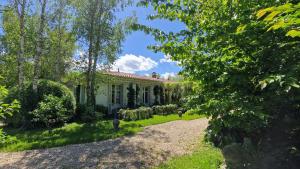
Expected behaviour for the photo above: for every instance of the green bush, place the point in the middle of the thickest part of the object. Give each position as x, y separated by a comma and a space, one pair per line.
30, 101
6, 110
165, 109
136, 114
86, 116
101, 109
51, 112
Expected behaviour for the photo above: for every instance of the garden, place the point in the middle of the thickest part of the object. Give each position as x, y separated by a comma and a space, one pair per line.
239, 68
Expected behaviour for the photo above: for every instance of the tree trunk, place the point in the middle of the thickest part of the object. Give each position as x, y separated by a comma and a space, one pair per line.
21, 59
40, 46
58, 59
97, 52
89, 103
94, 71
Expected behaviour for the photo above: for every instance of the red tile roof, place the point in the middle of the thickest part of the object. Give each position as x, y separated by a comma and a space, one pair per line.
134, 76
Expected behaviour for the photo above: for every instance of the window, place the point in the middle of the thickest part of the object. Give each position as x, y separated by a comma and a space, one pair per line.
146, 95
116, 94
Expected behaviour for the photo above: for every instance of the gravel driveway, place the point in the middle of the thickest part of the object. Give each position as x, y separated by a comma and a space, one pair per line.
148, 148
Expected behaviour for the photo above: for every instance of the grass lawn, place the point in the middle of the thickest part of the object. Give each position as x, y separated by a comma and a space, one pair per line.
205, 157
75, 133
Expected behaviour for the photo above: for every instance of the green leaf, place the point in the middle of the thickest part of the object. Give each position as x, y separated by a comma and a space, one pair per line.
293, 33
272, 15
241, 29
295, 85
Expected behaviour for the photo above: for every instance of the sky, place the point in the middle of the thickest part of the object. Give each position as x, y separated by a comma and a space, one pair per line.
135, 57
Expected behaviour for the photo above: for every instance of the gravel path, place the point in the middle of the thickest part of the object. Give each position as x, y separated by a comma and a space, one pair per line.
148, 148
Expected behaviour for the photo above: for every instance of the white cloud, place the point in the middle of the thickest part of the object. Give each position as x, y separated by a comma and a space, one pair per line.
167, 59
168, 75
131, 63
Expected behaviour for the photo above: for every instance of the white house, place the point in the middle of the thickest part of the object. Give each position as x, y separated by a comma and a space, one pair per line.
112, 89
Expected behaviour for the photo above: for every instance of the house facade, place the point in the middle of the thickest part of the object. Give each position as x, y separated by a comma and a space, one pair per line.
112, 90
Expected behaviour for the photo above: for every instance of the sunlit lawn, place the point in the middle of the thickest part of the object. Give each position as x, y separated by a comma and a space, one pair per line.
75, 133
205, 157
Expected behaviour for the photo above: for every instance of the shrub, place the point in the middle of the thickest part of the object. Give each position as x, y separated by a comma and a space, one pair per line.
30, 101
86, 116
6, 110
165, 109
136, 114
131, 96
51, 112
101, 109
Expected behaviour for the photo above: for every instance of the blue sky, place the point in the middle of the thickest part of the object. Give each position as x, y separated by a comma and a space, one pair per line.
135, 57
136, 44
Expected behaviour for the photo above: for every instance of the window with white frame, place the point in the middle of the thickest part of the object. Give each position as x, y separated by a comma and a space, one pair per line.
146, 95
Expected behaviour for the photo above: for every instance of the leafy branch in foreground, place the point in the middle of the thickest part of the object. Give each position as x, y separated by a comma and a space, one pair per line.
246, 76
285, 17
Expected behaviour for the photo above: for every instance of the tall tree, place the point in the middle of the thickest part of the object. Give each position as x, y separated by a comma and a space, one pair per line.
246, 76
60, 42
20, 9
96, 26
39, 44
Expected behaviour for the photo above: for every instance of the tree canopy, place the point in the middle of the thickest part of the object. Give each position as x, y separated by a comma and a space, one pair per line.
246, 69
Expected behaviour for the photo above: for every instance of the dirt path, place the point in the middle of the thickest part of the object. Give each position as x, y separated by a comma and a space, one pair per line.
148, 148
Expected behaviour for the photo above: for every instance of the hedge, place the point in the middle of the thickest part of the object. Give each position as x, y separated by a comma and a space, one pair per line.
136, 114
165, 109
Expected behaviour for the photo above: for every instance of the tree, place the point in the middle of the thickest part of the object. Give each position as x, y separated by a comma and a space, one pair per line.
246, 76
96, 26
20, 10
60, 43
39, 45
131, 96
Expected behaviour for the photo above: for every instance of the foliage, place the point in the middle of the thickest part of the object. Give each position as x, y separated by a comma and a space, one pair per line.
50, 112
245, 76
101, 109
58, 39
45, 88
284, 17
10, 47
75, 133
175, 92
136, 114
6, 110
165, 109
131, 96
85, 116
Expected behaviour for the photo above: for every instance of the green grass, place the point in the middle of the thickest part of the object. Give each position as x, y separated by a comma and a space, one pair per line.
205, 157
75, 133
